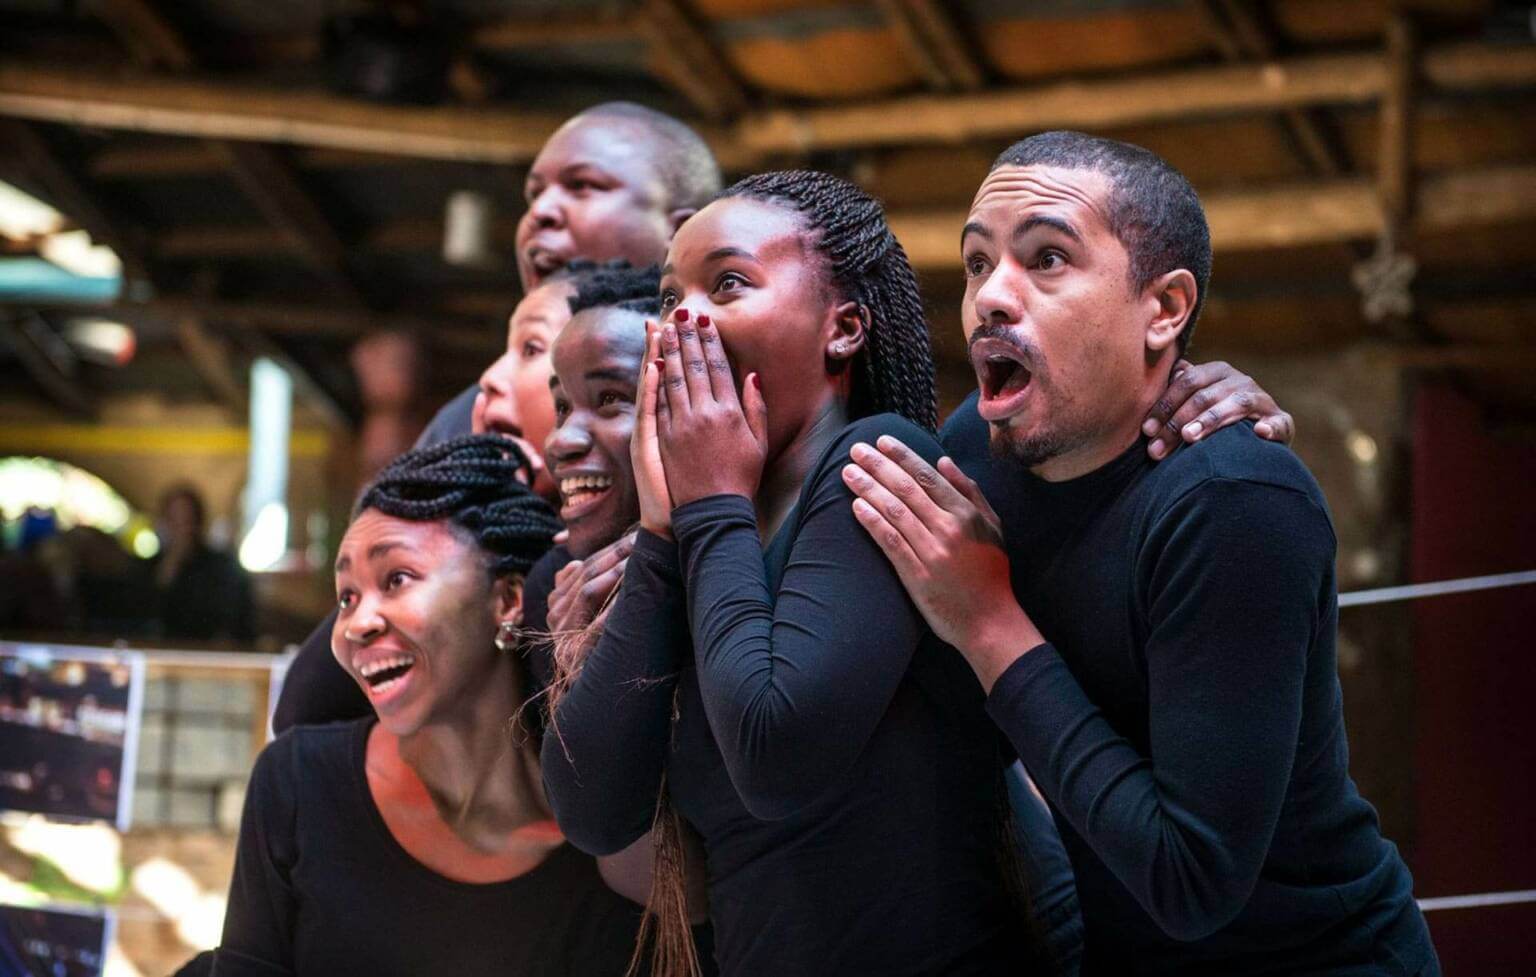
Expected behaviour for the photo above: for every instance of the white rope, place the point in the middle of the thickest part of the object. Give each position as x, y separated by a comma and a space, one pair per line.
1478, 901
1383, 595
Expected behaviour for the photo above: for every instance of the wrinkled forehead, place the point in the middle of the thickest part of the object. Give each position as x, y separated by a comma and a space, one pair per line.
1012, 193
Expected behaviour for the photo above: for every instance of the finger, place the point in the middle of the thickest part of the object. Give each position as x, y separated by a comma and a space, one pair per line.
652, 407
922, 473
755, 408
887, 537
1211, 408
695, 369
562, 537
722, 383
1173, 396
674, 383
603, 560
599, 587
967, 487
893, 511
894, 480
1279, 426
566, 573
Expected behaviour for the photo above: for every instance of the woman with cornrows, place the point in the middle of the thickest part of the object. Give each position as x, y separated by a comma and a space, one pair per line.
762, 672
417, 841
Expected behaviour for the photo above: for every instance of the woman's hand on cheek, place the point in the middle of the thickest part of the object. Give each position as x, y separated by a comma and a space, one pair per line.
712, 442
644, 446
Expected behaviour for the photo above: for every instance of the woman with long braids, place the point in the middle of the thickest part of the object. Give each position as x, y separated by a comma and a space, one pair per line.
762, 664
418, 841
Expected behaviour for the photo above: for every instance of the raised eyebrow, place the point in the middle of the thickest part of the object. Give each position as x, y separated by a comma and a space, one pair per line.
1046, 220
974, 227
342, 563
728, 252
379, 549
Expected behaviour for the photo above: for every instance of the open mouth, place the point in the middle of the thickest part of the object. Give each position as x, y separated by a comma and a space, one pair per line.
1003, 377
581, 493
545, 262
387, 674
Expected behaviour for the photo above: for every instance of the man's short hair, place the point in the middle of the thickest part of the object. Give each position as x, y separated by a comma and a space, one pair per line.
1153, 210
684, 160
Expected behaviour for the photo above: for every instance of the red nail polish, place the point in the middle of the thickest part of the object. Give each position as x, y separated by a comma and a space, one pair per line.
703, 320
757, 382
681, 315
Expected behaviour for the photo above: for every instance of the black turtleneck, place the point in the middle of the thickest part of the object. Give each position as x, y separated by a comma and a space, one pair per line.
1185, 717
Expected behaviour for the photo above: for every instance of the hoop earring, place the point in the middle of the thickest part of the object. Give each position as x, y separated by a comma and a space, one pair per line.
506, 636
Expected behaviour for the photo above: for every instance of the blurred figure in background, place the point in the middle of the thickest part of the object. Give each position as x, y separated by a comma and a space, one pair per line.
204, 594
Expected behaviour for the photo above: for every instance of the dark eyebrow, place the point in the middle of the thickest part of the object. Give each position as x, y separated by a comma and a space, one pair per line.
374, 552
719, 253
974, 227
341, 564
1046, 220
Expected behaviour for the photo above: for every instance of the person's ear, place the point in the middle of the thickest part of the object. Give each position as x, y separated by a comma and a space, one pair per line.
847, 334
676, 217
507, 591
1172, 297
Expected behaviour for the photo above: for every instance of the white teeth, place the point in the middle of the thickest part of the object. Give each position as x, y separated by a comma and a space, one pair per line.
584, 483
375, 667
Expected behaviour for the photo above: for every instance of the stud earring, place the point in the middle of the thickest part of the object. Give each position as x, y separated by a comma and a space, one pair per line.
506, 636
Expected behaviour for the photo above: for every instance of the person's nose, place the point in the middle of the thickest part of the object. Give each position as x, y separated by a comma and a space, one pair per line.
569, 441
496, 381
366, 623
1001, 298
548, 208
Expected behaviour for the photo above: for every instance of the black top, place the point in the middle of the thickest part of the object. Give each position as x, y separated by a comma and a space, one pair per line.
833, 755
321, 887
1185, 720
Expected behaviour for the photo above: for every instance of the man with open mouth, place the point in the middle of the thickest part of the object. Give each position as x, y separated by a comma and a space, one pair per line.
1157, 640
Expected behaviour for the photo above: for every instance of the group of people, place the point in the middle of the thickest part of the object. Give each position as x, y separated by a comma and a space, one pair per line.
687, 643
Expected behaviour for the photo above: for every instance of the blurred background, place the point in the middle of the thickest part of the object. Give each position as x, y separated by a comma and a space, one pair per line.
247, 249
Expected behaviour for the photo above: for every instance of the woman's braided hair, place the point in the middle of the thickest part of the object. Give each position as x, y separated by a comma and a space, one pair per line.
867, 265
472, 483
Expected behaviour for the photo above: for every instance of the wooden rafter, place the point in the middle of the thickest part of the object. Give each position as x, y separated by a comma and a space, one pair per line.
206, 109
1241, 34
263, 175
935, 44
684, 55
210, 358
1395, 153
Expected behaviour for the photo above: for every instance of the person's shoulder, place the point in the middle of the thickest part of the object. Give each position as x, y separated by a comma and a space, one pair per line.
870, 429
1234, 467
309, 751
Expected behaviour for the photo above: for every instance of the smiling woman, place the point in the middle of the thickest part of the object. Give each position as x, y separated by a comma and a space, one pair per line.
429, 814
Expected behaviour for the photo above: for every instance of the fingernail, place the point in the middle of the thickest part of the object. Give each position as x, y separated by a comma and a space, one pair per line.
703, 319
851, 472
1158, 449
756, 381
860, 450
1149, 427
1193, 429
659, 364
681, 315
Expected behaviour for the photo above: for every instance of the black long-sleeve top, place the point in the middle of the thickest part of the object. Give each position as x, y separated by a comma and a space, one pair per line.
833, 755
1185, 719
321, 887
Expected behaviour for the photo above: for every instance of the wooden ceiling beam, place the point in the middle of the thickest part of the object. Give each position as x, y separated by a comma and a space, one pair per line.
1240, 34
935, 44
263, 175
205, 109
684, 55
